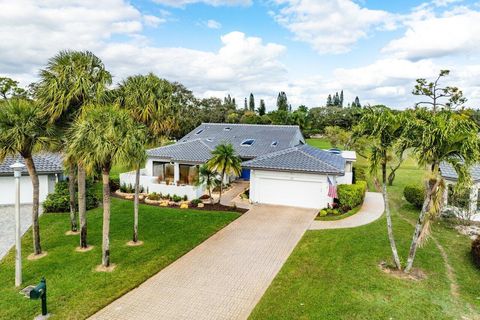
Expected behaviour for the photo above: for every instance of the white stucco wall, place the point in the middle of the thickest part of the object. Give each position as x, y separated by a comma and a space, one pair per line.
289, 188
150, 185
7, 189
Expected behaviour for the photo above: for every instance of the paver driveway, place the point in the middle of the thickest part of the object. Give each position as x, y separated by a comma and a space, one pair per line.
7, 225
225, 276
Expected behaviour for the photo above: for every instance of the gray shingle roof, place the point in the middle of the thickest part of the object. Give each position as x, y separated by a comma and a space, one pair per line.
213, 134
45, 162
300, 159
449, 173
191, 151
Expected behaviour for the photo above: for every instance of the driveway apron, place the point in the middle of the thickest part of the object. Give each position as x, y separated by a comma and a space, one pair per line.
225, 276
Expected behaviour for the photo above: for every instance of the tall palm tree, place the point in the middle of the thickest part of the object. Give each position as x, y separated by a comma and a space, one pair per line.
386, 128
224, 161
71, 80
23, 131
103, 137
208, 178
148, 99
436, 137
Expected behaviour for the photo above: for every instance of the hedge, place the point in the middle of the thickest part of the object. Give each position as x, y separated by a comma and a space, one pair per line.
351, 195
414, 194
59, 200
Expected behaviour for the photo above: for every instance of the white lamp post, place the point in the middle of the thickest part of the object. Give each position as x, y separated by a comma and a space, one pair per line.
17, 173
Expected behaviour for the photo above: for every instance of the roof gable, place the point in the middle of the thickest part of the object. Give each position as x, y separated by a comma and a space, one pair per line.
300, 159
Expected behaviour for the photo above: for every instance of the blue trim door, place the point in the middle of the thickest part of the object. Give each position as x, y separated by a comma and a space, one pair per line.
245, 174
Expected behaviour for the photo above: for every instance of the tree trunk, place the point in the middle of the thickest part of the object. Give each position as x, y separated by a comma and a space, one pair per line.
391, 176
221, 186
82, 210
106, 218
419, 225
71, 190
32, 171
391, 238
135, 205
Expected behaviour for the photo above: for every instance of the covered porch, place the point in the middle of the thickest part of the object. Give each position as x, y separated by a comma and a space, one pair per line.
466, 205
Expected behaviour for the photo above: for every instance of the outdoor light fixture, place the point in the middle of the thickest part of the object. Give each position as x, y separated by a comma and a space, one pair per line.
17, 173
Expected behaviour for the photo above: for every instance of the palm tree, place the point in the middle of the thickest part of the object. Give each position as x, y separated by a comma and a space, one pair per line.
386, 128
71, 80
436, 137
103, 137
149, 101
208, 178
224, 161
23, 131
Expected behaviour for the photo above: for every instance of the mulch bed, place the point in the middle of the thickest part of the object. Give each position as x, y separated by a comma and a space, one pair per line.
207, 206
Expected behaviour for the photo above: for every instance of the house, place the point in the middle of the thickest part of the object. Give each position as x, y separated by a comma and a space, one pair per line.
281, 168
49, 168
451, 178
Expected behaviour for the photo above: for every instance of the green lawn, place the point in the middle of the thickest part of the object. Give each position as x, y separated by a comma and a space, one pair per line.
320, 143
334, 274
75, 290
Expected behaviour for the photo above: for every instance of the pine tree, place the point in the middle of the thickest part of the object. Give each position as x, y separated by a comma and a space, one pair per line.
282, 102
336, 100
251, 103
341, 99
262, 109
357, 102
329, 101
234, 103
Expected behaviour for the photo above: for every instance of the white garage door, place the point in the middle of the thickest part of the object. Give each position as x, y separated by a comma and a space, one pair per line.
289, 189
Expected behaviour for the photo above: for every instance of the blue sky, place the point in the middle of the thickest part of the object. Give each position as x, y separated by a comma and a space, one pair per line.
307, 48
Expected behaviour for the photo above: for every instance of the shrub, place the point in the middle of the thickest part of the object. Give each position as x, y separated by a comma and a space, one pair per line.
476, 251
323, 213
195, 202
176, 198
114, 184
351, 195
185, 198
154, 196
59, 200
129, 188
415, 195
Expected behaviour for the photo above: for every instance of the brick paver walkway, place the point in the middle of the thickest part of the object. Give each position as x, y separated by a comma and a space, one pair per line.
371, 210
225, 276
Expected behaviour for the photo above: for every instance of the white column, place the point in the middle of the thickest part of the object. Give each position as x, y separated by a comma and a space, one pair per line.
176, 172
473, 200
18, 239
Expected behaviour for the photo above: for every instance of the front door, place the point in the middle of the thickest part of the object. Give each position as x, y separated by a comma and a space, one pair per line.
245, 174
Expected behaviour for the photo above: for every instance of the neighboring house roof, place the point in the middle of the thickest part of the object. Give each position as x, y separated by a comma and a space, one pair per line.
190, 151
300, 159
45, 163
449, 173
265, 138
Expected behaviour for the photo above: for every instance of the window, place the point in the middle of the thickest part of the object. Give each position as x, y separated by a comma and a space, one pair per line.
247, 142
199, 131
164, 171
274, 143
188, 174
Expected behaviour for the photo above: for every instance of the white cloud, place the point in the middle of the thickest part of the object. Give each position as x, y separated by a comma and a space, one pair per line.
153, 21
427, 36
215, 3
212, 24
331, 26
242, 64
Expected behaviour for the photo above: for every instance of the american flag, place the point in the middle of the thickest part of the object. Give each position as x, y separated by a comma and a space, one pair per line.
332, 188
